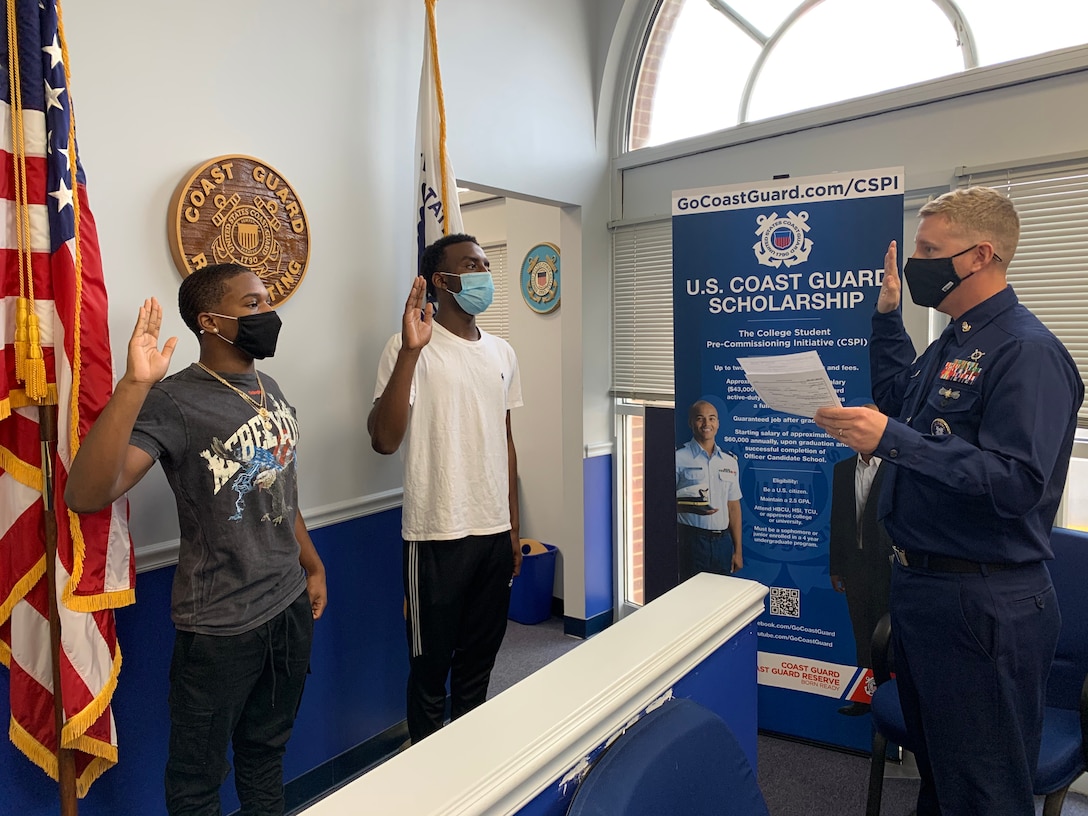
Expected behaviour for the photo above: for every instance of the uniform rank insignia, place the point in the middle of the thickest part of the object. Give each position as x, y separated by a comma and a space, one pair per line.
947, 395
961, 371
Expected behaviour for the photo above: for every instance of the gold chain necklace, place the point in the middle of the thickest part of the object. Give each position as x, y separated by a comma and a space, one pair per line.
259, 407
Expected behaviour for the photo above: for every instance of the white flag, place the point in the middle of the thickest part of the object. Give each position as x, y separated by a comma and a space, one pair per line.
437, 211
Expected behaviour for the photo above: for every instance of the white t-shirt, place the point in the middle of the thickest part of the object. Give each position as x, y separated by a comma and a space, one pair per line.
456, 475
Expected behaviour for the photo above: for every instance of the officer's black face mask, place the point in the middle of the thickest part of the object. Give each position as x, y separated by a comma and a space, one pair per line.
931, 279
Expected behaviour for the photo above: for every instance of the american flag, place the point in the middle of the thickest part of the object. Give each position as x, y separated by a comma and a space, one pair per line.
438, 211
51, 270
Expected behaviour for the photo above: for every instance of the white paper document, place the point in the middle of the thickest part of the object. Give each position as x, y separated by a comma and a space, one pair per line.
791, 383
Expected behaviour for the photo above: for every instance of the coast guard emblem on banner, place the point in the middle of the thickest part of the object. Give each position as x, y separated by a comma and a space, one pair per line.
782, 240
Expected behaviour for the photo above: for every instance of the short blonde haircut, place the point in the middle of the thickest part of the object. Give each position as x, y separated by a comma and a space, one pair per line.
981, 214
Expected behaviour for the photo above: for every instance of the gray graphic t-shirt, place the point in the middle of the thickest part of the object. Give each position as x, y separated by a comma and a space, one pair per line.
234, 478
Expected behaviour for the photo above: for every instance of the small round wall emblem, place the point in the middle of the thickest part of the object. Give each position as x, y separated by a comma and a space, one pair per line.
540, 278
238, 209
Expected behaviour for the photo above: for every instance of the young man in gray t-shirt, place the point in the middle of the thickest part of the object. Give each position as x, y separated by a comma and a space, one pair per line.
249, 582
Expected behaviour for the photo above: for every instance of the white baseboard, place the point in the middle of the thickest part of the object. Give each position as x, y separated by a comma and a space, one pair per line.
598, 449
165, 553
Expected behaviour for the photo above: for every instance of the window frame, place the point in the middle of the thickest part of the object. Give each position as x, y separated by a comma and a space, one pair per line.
965, 40
991, 77
626, 593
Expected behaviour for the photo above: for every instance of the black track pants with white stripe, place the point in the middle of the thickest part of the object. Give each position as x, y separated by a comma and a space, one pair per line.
458, 596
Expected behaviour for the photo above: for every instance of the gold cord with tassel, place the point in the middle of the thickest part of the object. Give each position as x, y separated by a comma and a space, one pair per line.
37, 386
21, 335
29, 358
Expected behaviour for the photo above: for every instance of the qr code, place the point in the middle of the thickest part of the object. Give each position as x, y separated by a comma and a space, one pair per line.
786, 602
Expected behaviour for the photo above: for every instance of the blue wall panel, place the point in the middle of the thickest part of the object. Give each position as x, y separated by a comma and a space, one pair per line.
355, 691
599, 549
723, 683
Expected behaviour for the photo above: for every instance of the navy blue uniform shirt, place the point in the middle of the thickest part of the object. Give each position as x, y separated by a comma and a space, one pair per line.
985, 426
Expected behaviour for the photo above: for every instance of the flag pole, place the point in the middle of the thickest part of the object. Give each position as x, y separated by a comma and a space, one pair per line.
66, 760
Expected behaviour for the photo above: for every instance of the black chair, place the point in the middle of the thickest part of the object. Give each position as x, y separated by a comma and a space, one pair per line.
1064, 752
679, 759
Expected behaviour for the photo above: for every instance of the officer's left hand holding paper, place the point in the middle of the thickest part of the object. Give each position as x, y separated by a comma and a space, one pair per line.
791, 383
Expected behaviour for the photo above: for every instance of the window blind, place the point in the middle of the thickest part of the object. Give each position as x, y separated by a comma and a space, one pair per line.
496, 319
1049, 270
642, 341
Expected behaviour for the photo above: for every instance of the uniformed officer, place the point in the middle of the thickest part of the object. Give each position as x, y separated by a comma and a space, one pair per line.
979, 449
707, 500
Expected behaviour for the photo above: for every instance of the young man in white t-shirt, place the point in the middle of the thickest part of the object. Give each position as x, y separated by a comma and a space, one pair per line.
445, 389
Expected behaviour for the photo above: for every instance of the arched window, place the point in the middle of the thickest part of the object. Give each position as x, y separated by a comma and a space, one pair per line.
708, 65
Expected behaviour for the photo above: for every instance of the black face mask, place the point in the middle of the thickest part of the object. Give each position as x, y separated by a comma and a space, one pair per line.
931, 279
257, 333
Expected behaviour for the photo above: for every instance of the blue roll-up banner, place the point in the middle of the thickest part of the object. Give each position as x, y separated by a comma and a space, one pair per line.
766, 269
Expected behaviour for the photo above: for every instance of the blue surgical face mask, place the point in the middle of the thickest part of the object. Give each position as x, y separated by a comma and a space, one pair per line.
477, 290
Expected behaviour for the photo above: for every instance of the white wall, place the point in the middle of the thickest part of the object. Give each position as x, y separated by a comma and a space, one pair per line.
326, 92
548, 429
487, 221
528, 116
154, 97
930, 141
538, 340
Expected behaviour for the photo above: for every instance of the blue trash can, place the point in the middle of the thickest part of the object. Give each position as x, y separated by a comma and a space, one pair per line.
531, 594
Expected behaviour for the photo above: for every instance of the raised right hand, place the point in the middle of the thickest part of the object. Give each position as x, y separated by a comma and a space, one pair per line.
418, 321
146, 364
891, 288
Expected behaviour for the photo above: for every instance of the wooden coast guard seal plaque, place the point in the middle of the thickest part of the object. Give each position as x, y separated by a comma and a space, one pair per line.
238, 209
